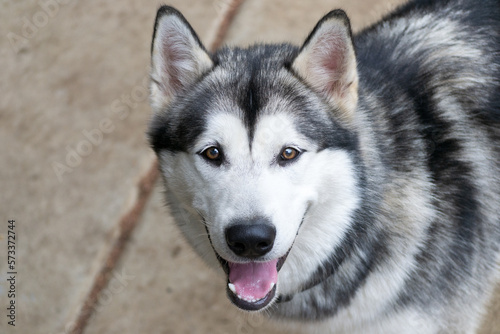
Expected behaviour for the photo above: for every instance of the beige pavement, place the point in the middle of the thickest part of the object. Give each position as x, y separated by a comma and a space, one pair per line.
73, 112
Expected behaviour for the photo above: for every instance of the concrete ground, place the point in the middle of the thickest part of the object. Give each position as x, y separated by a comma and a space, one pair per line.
94, 253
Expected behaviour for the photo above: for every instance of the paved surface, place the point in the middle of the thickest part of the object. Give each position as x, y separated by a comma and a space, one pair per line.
73, 112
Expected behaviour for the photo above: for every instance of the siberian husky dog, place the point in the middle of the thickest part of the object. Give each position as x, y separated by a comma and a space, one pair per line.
351, 184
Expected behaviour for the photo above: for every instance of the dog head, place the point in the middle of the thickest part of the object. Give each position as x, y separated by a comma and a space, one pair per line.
257, 151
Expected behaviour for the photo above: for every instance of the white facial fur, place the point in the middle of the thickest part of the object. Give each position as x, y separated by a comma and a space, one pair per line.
251, 184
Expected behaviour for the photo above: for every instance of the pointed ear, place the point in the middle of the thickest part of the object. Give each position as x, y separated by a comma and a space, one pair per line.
327, 62
178, 58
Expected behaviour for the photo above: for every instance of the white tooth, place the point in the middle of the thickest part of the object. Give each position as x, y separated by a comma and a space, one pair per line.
232, 287
272, 286
247, 299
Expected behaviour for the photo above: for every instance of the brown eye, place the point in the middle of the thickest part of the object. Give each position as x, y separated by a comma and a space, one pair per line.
289, 153
212, 153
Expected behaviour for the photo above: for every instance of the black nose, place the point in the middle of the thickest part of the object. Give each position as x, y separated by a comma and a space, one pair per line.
250, 240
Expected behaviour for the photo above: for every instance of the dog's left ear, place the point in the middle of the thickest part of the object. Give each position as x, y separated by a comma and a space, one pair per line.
178, 58
327, 62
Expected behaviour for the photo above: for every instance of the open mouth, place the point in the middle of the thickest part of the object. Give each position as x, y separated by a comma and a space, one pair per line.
252, 286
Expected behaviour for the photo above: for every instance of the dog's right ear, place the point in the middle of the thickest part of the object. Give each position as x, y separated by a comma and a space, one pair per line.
178, 58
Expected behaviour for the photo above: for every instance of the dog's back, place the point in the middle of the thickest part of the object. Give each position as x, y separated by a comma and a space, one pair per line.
430, 86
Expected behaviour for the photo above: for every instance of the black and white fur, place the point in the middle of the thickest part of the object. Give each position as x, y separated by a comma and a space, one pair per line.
389, 215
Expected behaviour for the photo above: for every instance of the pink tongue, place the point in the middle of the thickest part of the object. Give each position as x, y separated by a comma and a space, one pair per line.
253, 280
